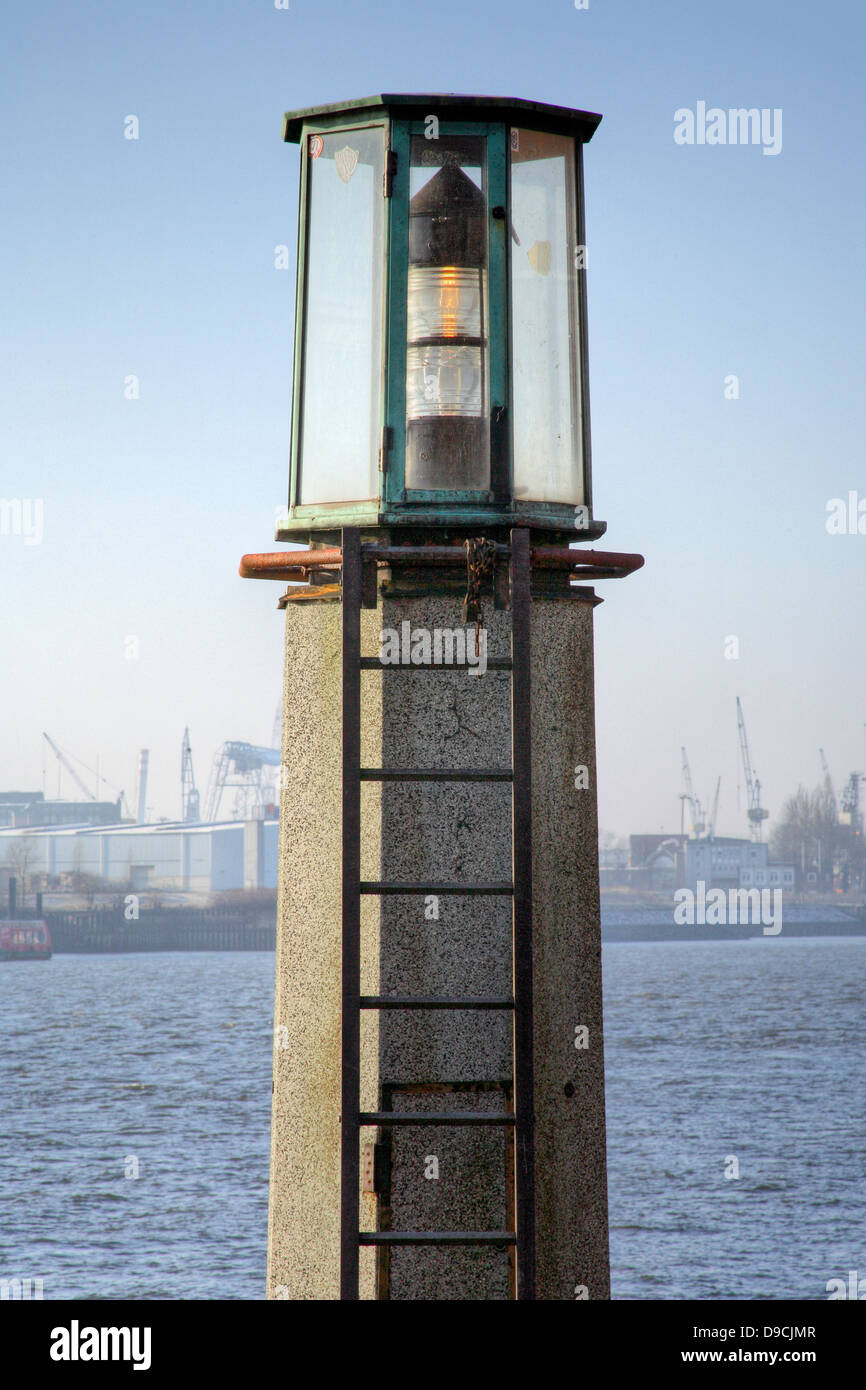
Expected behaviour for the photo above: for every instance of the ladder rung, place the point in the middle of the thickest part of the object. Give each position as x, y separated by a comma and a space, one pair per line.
494, 663
437, 1238
436, 774
386, 1001
460, 890
431, 1117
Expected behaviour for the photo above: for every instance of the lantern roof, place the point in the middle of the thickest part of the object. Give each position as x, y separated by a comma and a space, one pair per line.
580, 124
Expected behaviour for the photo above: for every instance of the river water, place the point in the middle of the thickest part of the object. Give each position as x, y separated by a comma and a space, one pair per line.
136, 1111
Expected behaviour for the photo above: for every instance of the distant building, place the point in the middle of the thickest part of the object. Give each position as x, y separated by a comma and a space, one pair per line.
169, 856
661, 863
769, 876
656, 861
731, 863
30, 809
641, 848
13, 803
613, 866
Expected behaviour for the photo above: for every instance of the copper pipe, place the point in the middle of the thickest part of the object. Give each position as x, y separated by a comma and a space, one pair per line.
563, 557
287, 564
297, 564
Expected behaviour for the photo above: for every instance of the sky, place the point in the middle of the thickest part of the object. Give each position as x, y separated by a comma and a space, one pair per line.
123, 616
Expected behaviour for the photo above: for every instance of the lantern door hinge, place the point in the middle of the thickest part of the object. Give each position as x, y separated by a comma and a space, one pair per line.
386, 446
376, 1168
390, 171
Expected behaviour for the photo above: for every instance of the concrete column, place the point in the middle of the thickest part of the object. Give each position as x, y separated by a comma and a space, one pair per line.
450, 1178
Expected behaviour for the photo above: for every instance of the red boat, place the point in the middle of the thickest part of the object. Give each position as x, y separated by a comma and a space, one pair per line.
27, 940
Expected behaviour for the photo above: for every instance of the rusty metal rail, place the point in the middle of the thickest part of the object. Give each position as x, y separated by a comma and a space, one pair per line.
298, 565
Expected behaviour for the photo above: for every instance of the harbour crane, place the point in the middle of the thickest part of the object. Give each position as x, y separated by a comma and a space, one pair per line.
698, 824
64, 762
190, 802
100, 780
754, 809
240, 765
711, 828
828, 781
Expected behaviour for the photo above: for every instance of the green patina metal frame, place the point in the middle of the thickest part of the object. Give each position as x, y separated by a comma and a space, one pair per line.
395, 495
401, 117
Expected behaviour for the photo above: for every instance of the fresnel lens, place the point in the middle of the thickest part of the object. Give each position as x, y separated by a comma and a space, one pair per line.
446, 392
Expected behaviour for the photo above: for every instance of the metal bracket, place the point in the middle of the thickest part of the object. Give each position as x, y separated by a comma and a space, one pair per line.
376, 1168
390, 171
385, 447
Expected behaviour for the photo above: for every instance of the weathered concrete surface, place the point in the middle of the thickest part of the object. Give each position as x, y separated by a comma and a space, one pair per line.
304, 1221
571, 1171
458, 946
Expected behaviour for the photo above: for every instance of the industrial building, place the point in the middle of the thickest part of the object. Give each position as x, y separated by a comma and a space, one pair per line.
663, 863
95, 846
651, 863
733, 863
25, 809
170, 855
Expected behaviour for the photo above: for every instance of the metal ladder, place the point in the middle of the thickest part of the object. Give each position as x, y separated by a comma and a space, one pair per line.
355, 590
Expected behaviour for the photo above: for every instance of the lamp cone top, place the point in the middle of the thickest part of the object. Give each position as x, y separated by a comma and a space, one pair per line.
450, 190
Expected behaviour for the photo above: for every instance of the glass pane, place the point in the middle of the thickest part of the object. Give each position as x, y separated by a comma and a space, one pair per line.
342, 367
548, 463
447, 412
